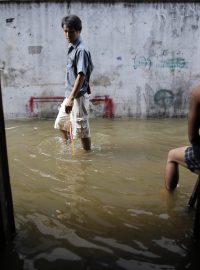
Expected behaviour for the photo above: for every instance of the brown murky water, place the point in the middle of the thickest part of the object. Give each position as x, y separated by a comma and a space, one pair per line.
106, 209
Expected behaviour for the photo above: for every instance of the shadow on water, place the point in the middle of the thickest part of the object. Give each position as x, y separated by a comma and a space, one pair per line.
10, 259
106, 209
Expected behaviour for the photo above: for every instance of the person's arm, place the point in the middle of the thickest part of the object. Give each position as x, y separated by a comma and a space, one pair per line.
77, 86
81, 69
193, 117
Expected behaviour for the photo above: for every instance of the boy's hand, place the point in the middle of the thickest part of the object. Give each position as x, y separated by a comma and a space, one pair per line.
68, 105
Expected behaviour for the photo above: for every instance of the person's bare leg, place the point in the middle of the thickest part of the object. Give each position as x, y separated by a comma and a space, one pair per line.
65, 136
171, 175
86, 142
175, 157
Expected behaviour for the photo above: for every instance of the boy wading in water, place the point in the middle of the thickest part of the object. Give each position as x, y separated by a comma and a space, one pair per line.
73, 113
187, 156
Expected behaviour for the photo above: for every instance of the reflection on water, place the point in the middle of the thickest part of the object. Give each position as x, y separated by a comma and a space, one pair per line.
106, 209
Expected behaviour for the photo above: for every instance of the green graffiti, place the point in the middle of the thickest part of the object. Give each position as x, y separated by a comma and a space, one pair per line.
142, 61
173, 63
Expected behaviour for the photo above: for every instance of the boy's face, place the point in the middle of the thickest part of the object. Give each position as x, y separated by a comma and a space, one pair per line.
71, 34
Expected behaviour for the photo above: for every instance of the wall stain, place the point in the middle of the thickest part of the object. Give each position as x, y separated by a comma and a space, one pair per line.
11, 75
138, 102
149, 100
34, 49
119, 58
194, 27
102, 80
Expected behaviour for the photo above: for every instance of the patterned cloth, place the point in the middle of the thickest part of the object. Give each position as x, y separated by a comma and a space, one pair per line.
78, 118
192, 158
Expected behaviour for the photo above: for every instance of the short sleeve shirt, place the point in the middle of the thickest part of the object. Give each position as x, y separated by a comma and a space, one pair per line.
78, 61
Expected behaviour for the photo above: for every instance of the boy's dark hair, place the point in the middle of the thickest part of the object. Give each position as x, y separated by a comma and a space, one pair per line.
72, 21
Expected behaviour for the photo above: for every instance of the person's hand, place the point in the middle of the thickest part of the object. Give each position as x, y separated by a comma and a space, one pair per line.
68, 105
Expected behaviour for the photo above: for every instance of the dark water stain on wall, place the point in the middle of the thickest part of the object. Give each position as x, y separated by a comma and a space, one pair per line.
34, 49
9, 77
138, 102
101, 80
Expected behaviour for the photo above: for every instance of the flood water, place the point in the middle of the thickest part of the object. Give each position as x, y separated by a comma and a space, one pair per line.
106, 209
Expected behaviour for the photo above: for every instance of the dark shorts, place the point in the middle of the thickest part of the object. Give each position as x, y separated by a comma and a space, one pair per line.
192, 158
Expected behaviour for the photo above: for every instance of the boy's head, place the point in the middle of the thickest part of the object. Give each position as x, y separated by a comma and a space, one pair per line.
72, 27
72, 22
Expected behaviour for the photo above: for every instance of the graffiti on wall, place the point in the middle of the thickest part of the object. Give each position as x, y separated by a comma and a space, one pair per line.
104, 105
142, 62
173, 63
164, 102
170, 63
164, 98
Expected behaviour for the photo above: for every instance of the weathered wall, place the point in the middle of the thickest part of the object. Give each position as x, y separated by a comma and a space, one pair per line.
146, 55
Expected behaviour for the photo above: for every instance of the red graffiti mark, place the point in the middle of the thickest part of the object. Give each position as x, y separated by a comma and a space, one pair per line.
108, 105
33, 100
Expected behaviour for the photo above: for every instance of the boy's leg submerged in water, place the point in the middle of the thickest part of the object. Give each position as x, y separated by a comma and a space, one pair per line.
175, 157
65, 136
86, 143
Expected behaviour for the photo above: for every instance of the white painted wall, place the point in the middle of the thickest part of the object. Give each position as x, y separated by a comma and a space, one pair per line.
137, 49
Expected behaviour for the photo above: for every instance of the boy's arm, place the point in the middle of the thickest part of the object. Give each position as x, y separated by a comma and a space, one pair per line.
193, 117
77, 86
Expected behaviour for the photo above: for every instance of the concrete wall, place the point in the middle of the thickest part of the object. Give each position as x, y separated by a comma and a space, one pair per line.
146, 55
